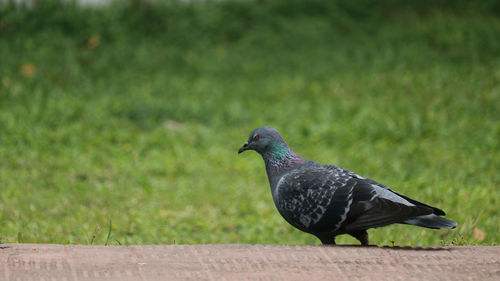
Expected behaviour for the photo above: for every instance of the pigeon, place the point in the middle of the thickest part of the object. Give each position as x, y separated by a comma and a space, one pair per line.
326, 200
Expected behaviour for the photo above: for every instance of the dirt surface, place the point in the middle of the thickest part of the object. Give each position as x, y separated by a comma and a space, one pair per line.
246, 262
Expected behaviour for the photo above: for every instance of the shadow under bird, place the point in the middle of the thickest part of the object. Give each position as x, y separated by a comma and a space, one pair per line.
326, 200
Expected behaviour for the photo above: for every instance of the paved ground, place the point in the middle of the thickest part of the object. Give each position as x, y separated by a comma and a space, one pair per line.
246, 262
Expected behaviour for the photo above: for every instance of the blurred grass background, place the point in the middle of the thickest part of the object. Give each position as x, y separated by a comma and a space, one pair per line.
132, 113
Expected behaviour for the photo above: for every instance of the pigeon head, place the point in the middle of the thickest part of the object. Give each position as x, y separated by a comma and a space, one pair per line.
269, 143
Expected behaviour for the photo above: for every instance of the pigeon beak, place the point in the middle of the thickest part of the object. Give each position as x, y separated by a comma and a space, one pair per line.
243, 148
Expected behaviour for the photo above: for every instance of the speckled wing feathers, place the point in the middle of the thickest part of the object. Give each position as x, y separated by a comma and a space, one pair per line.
325, 198
307, 193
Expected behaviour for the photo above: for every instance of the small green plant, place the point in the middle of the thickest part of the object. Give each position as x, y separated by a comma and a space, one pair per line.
93, 237
109, 232
457, 241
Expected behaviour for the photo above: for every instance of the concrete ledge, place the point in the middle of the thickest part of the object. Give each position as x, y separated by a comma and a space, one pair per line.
246, 262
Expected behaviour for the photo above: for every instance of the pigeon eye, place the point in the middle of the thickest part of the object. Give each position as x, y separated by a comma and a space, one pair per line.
256, 138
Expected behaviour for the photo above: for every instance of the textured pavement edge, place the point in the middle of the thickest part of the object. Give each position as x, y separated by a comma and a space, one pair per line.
246, 262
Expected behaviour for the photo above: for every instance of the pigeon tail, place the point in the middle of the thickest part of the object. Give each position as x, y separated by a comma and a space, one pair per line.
431, 221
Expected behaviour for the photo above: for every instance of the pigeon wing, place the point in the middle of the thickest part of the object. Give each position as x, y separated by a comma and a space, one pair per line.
308, 194
378, 211
322, 198
437, 211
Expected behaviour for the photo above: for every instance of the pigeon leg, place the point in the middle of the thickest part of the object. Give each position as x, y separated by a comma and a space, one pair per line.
361, 235
327, 239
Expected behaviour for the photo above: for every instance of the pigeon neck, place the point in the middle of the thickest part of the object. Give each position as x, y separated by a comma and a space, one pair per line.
280, 151
279, 157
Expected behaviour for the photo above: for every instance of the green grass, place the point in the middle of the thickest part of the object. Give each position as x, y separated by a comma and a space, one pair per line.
134, 114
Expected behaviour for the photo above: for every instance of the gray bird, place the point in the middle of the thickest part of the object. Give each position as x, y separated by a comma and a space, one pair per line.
326, 200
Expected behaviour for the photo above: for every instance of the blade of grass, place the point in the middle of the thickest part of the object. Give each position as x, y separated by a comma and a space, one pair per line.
94, 235
109, 232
